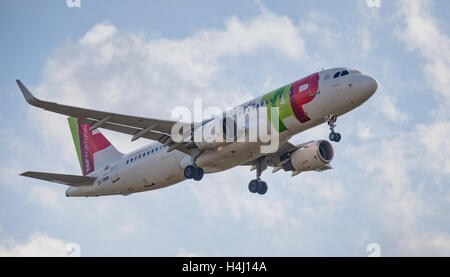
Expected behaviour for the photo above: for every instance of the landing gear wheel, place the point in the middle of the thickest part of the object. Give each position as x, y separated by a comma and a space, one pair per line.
332, 136
189, 172
262, 187
253, 186
198, 174
335, 137
338, 137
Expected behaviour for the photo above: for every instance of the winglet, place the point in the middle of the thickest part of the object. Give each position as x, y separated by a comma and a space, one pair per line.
27, 94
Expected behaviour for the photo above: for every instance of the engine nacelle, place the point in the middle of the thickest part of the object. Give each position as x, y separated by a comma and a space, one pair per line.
219, 131
311, 156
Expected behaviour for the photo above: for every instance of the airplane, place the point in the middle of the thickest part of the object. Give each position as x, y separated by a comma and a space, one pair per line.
308, 102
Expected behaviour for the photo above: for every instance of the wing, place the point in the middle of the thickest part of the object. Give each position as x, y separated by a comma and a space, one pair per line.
273, 159
154, 129
64, 179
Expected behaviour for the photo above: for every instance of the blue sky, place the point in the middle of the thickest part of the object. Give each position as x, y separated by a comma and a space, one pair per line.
390, 183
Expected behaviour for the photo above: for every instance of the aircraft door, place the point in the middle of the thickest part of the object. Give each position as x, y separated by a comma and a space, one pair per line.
314, 85
114, 174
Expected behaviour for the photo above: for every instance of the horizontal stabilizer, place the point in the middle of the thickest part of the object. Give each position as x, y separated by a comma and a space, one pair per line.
64, 179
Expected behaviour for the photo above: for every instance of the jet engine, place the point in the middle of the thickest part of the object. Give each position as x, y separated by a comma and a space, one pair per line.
311, 156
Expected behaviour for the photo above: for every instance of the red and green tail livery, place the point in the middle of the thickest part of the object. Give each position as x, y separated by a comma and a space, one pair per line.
93, 149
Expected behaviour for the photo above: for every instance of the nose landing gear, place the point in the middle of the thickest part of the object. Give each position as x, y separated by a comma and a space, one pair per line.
335, 137
331, 121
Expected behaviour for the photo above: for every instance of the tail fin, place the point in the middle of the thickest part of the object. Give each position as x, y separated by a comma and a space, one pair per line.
93, 149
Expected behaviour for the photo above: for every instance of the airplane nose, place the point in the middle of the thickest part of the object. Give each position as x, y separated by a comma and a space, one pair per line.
370, 84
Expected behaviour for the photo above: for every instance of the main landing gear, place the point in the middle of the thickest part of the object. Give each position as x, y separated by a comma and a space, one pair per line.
193, 172
331, 121
257, 185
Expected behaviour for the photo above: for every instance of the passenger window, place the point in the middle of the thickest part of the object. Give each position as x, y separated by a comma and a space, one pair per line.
148, 152
345, 72
127, 161
336, 75
139, 156
152, 150
143, 155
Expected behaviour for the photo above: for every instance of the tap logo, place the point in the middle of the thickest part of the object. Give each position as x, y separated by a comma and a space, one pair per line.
373, 3
73, 3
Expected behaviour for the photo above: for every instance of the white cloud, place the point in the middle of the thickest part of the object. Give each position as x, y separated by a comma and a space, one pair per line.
48, 197
9, 173
111, 69
98, 34
265, 31
365, 41
232, 199
434, 138
318, 25
183, 253
405, 169
37, 245
120, 215
114, 70
423, 33
407, 165
364, 132
428, 244
391, 111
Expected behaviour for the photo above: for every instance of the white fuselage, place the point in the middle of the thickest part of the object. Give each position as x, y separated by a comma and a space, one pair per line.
153, 167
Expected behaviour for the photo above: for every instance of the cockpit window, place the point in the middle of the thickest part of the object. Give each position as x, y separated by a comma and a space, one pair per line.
336, 75
345, 72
